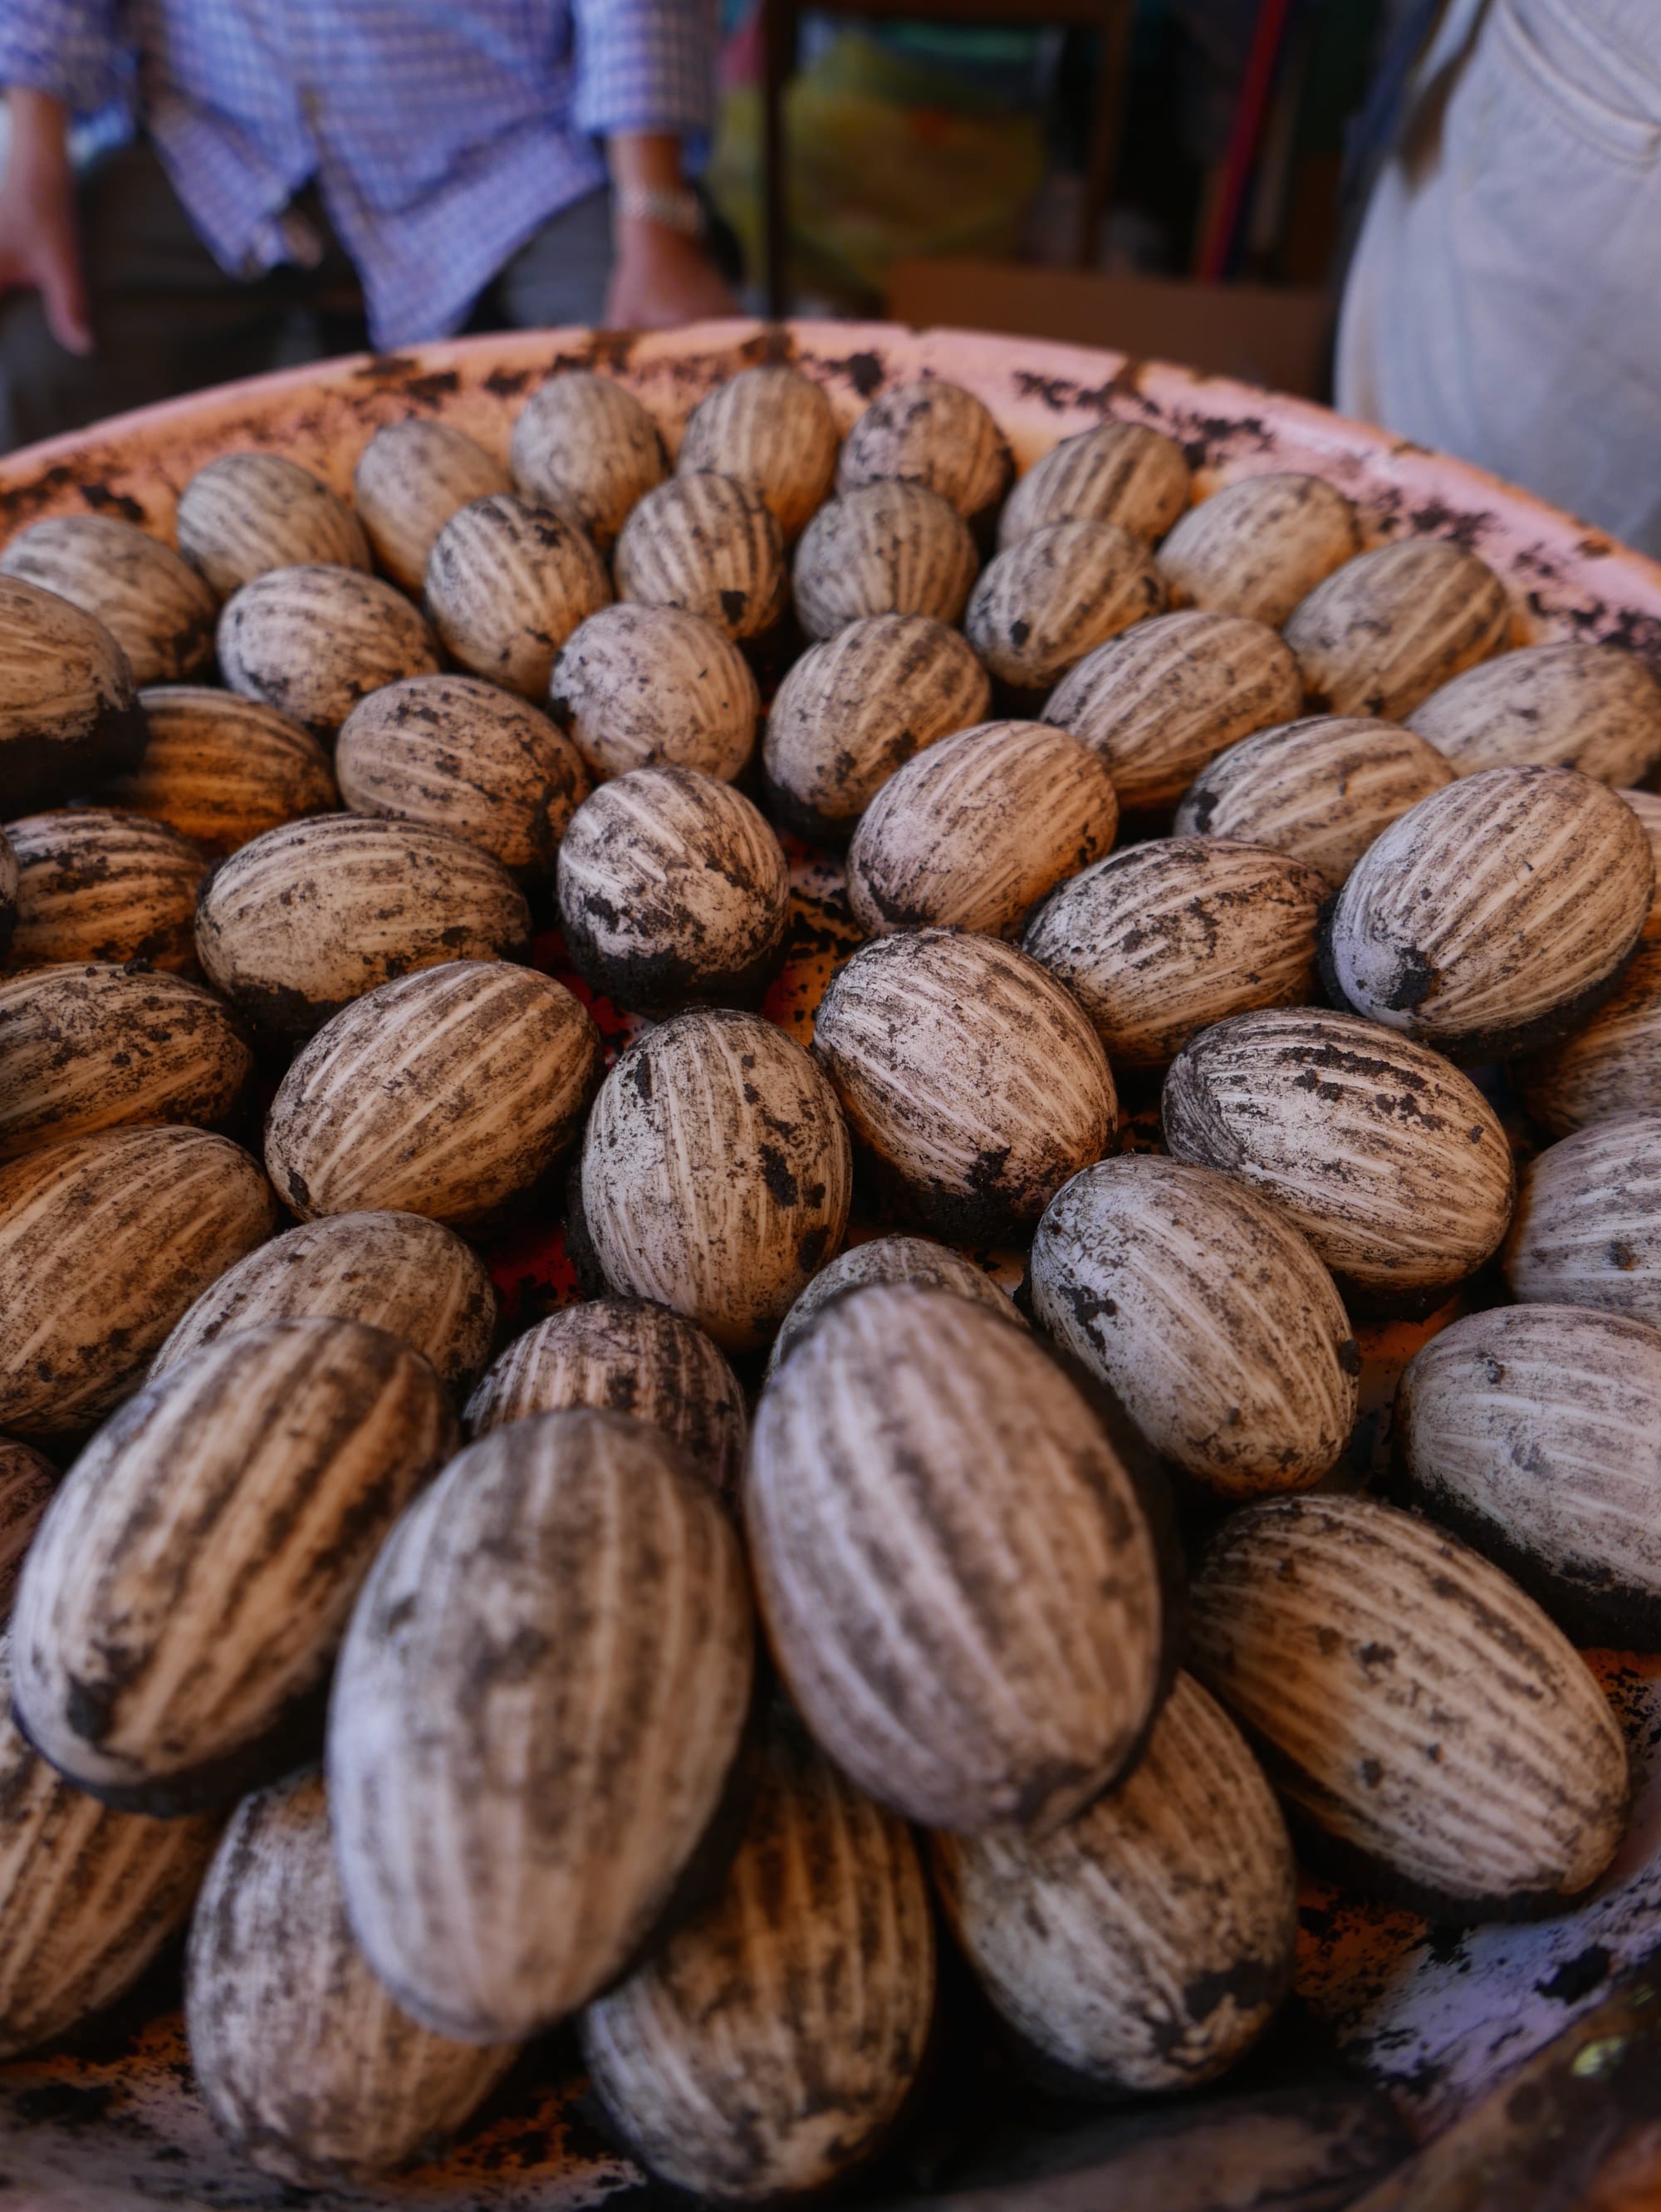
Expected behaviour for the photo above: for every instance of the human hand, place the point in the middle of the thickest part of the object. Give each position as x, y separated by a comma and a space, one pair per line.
660, 277
40, 247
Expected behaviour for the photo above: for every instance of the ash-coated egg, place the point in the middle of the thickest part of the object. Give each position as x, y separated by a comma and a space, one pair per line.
247, 512
411, 478
1163, 700
585, 445
856, 706
623, 1356
1259, 547
960, 1584
1588, 1228
222, 770
179, 1610
1055, 594
1609, 1064
708, 545
574, 1756
656, 686
1495, 912
673, 888
893, 1258
975, 829
308, 918
933, 434
69, 716
1382, 633
310, 2070
1596, 707
1426, 1721
466, 758
1146, 1945
313, 640
971, 1079
508, 582
890, 548
96, 884
771, 429
105, 1240
1321, 788
152, 602
1161, 939
716, 1173
1390, 1162
1207, 1314
86, 1048
27, 1479
1121, 472
397, 1272
817, 1959
446, 1093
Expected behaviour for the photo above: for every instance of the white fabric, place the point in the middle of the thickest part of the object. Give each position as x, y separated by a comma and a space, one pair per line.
1504, 300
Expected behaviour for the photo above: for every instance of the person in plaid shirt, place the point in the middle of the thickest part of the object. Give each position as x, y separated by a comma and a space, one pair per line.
290, 166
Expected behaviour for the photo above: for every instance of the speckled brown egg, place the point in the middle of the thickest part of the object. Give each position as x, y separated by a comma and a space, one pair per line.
574, 1755
247, 512
656, 686
960, 1584
1209, 1316
972, 1079
105, 1240
508, 582
709, 545
309, 2069
1391, 1162
68, 712
1161, 939
716, 1174
1146, 1945
411, 478
1320, 789
222, 770
95, 884
312, 641
882, 548
817, 1958
935, 434
1609, 1064
1259, 547
1432, 1729
154, 604
772, 429
894, 1259
1058, 592
1534, 1431
672, 888
976, 827
1588, 1228
1383, 632
585, 445
623, 1356
310, 916
464, 756
1165, 698
1493, 913
856, 708
1591, 707
448, 1093
397, 1272
1121, 472
85, 1048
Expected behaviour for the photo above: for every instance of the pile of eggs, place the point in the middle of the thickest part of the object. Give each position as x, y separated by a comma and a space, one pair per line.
681, 1665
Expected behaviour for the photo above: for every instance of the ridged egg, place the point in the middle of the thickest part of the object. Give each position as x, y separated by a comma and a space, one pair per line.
772, 429
891, 548
935, 433
247, 512
891, 1259
1260, 546
1384, 631
1596, 707
1122, 472
508, 582
221, 770
411, 478
1588, 1228
152, 602
67, 714
1055, 595
656, 686
313, 640
585, 445
709, 545
96, 884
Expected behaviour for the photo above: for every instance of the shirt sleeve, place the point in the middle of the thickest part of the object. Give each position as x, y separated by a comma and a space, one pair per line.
644, 65
69, 48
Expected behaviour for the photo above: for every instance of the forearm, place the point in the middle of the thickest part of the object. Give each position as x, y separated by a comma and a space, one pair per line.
645, 160
39, 133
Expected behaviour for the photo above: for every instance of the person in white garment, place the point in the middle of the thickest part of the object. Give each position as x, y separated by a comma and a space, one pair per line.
1504, 300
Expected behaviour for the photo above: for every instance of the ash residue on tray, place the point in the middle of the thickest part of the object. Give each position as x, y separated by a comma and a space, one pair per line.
1436, 518
864, 371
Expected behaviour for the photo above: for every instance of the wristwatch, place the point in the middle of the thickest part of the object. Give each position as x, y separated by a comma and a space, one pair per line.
676, 207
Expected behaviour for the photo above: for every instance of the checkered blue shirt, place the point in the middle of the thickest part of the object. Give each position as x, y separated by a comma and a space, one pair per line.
441, 133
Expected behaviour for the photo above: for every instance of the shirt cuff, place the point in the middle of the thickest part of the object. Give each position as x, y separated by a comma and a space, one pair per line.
80, 69
644, 65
